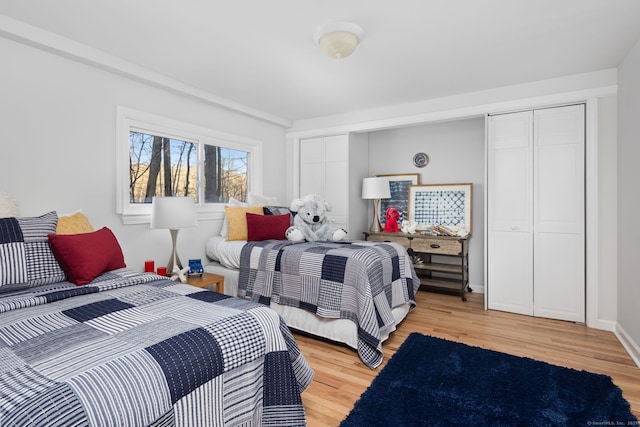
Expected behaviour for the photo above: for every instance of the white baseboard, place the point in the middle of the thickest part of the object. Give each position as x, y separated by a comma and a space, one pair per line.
478, 289
605, 325
628, 343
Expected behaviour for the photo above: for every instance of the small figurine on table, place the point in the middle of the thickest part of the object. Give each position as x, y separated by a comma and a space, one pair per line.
180, 274
392, 215
195, 267
409, 226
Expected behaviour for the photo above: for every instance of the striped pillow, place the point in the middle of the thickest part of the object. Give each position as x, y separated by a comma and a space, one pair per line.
26, 259
279, 210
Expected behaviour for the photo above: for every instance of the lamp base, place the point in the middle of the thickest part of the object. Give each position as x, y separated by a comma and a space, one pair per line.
174, 259
375, 224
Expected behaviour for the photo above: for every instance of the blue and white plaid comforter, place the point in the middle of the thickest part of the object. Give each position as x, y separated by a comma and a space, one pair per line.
134, 349
360, 281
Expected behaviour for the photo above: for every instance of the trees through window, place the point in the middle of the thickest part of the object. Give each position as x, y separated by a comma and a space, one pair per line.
159, 157
163, 166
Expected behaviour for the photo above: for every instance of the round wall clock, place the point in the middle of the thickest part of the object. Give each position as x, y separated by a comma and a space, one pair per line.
420, 160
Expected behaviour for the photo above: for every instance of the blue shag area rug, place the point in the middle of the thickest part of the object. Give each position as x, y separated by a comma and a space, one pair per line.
434, 382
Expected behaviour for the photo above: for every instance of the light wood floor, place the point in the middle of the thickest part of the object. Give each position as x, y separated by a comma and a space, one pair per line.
341, 377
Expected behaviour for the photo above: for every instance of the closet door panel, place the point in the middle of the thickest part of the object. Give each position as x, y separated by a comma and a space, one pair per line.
559, 190
312, 167
324, 170
559, 213
312, 181
508, 131
559, 171
510, 272
559, 289
509, 172
336, 179
509, 213
510, 202
336, 148
312, 150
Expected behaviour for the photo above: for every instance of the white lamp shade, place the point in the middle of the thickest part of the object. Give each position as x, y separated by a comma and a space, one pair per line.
375, 188
173, 212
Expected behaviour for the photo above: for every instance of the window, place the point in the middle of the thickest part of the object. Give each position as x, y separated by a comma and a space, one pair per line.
162, 157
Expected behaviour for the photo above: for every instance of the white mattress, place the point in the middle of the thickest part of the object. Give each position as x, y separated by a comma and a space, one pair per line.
339, 330
226, 253
231, 277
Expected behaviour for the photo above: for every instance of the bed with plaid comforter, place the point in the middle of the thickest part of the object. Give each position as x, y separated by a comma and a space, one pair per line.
360, 281
133, 349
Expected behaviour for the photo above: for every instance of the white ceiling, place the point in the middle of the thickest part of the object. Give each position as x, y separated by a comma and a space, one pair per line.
262, 53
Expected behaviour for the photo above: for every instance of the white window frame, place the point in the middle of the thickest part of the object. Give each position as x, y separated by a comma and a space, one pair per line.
128, 119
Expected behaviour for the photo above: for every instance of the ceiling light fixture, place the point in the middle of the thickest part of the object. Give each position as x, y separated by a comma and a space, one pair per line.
338, 40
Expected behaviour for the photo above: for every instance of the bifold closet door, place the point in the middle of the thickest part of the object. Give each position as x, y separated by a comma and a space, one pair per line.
324, 166
536, 213
509, 233
559, 213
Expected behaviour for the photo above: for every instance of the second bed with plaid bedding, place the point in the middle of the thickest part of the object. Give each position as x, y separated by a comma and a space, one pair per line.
360, 281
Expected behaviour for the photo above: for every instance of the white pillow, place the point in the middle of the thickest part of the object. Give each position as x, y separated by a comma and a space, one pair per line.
254, 200
233, 203
258, 200
8, 206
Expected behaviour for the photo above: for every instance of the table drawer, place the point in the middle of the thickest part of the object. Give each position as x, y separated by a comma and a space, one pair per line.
402, 240
437, 246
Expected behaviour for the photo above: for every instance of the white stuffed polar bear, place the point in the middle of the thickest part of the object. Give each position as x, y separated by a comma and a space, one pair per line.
311, 223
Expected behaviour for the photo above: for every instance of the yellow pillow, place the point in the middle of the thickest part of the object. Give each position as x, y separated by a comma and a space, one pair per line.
237, 219
74, 224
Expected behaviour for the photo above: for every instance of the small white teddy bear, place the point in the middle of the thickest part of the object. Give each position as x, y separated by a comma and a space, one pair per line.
311, 223
409, 226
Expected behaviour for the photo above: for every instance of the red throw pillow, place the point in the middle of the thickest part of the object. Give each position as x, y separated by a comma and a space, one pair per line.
265, 227
83, 257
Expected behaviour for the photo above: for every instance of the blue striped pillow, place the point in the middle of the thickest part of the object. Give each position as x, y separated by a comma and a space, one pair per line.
26, 259
279, 210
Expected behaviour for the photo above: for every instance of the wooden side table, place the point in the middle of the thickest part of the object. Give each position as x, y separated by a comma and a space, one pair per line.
206, 280
450, 277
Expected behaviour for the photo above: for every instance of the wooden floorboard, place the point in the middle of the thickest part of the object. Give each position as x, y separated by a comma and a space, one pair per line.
341, 377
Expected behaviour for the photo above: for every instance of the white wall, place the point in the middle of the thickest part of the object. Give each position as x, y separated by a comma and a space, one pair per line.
629, 198
456, 155
607, 210
57, 130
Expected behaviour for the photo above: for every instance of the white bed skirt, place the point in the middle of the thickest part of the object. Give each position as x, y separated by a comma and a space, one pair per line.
339, 330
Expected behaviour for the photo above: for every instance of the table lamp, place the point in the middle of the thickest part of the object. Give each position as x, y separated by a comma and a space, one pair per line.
375, 189
173, 213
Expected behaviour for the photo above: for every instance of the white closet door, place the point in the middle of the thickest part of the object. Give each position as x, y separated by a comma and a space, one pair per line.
336, 178
312, 167
324, 167
509, 187
559, 238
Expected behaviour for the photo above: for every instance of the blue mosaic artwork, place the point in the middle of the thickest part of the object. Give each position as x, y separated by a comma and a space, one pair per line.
440, 207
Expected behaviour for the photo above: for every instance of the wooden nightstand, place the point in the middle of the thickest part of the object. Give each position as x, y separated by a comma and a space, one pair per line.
450, 277
206, 280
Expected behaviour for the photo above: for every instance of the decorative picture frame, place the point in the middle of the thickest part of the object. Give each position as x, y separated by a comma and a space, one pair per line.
441, 204
399, 188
